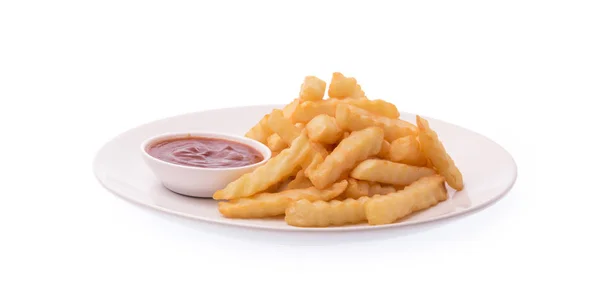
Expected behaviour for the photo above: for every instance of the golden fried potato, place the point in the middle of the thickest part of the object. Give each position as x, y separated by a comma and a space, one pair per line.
389, 172
385, 150
283, 127
376, 188
422, 194
358, 93
289, 132
324, 129
377, 107
407, 150
356, 189
359, 188
312, 89
275, 143
289, 109
274, 204
300, 125
434, 151
261, 131
306, 111
352, 118
304, 213
272, 172
299, 181
359, 146
340, 86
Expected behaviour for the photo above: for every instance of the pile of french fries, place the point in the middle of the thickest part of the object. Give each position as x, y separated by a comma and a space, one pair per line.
342, 160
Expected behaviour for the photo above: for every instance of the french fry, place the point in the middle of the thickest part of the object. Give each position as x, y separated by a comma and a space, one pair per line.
358, 93
359, 188
352, 118
307, 110
340, 86
324, 129
275, 170
283, 127
275, 143
261, 131
289, 132
312, 89
356, 189
290, 108
304, 213
359, 146
422, 194
434, 151
385, 150
300, 181
377, 107
388, 172
376, 188
274, 204
407, 150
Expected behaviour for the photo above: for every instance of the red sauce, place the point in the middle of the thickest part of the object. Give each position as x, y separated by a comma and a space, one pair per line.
205, 152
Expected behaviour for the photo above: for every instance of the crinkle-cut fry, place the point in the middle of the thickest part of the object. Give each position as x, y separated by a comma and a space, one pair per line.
359, 146
312, 89
422, 194
299, 181
283, 127
377, 107
389, 172
359, 188
434, 150
324, 129
307, 110
304, 213
407, 150
289, 132
289, 109
340, 86
275, 170
385, 150
356, 189
358, 93
261, 131
353, 118
274, 204
275, 143
376, 188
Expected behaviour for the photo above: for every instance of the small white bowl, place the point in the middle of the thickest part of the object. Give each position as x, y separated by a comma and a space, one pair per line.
198, 181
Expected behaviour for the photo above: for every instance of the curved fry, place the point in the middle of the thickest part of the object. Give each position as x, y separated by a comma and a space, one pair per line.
434, 150
422, 194
304, 213
274, 204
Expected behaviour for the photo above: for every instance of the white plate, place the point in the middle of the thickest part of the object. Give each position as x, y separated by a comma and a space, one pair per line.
489, 171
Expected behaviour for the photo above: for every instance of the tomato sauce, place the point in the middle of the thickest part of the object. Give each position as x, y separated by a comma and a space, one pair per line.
205, 152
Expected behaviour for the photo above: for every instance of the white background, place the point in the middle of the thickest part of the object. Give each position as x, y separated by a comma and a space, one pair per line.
73, 74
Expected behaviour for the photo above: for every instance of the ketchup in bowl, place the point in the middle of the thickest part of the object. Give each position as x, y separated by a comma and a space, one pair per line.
205, 152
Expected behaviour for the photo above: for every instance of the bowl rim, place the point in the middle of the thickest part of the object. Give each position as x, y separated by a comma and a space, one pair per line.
260, 147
